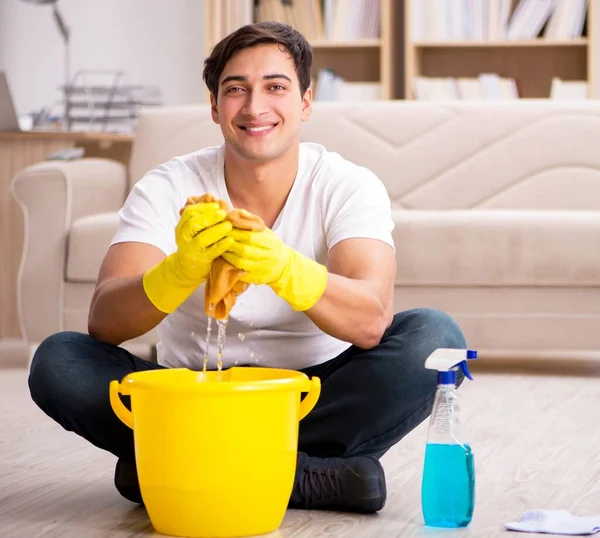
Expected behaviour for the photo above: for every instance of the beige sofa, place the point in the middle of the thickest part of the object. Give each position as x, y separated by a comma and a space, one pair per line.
497, 206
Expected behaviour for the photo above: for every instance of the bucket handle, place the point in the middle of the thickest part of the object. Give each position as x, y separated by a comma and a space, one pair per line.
314, 391
117, 405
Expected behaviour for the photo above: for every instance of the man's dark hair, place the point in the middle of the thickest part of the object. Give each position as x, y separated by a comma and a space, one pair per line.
257, 34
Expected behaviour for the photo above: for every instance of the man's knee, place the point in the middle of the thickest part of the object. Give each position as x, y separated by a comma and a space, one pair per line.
447, 335
417, 333
50, 363
437, 330
430, 328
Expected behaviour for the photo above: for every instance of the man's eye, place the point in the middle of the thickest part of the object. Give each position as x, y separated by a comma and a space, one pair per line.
277, 87
233, 89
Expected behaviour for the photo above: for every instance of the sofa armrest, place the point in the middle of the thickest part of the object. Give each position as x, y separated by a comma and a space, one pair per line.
52, 195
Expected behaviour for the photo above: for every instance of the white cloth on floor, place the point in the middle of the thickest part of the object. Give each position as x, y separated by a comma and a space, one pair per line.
555, 522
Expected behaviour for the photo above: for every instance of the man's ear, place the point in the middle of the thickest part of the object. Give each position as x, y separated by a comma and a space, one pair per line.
214, 109
307, 104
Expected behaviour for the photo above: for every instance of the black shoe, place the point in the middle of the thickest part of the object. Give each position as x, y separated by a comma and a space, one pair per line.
126, 481
343, 484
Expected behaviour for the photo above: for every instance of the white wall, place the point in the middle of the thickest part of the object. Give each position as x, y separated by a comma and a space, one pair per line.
157, 42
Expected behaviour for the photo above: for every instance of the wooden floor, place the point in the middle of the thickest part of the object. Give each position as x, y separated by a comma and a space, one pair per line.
536, 439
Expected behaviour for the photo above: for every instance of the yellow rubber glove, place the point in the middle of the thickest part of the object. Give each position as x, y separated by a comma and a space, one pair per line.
268, 260
201, 237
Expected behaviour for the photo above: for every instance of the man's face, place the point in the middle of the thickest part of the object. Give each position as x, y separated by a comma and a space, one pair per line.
260, 106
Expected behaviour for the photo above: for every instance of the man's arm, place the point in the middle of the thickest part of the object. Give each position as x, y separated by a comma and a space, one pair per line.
120, 309
357, 305
351, 299
138, 285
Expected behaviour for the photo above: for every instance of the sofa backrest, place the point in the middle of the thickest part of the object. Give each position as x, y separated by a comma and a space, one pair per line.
521, 154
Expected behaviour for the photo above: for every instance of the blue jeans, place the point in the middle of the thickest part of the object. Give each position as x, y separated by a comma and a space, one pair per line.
370, 399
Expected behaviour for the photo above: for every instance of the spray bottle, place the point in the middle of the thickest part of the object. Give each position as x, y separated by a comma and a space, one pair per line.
448, 487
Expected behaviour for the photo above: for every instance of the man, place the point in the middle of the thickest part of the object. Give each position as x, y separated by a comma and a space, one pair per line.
323, 274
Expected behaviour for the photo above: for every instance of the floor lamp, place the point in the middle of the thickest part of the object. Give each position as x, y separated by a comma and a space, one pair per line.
65, 33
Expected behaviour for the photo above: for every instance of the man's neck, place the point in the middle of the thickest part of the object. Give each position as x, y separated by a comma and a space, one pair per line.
261, 188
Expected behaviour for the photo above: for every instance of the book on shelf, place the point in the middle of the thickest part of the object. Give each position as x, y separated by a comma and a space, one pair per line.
345, 20
336, 20
485, 86
305, 15
529, 18
567, 21
490, 86
568, 90
329, 86
226, 16
497, 20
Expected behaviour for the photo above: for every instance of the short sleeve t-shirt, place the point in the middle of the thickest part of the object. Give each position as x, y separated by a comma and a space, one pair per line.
331, 199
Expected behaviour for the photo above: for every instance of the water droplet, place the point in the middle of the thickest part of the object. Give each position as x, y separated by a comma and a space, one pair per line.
252, 354
241, 336
193, 334
207, 343
222, 324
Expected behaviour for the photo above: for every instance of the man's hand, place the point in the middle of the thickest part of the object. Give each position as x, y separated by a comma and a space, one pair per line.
201, 236
267, 260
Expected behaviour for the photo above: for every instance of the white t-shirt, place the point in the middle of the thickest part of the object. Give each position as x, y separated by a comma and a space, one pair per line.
331, 199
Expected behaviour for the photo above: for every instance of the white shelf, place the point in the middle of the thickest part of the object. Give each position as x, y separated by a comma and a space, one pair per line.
581, 42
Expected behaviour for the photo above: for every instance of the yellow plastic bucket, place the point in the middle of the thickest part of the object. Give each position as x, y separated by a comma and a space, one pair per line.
216, 455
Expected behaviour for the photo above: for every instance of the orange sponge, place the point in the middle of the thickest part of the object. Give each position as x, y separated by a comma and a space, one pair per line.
223, 285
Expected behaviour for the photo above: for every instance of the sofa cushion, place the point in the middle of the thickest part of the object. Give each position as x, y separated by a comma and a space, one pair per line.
89, 239
497, 248
439, 248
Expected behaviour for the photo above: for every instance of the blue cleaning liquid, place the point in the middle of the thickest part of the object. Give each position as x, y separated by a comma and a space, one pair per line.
448, 490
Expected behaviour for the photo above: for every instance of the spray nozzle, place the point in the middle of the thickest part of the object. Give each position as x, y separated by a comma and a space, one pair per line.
449, 360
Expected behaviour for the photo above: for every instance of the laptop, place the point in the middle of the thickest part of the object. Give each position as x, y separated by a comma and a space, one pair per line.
8, 115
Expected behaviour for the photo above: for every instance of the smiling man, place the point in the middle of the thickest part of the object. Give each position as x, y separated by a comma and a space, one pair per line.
323, 274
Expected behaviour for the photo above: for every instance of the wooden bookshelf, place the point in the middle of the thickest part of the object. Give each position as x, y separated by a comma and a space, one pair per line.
395, 58
356, 60
531, 63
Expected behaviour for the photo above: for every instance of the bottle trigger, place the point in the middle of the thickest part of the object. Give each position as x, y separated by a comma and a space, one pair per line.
465, 370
